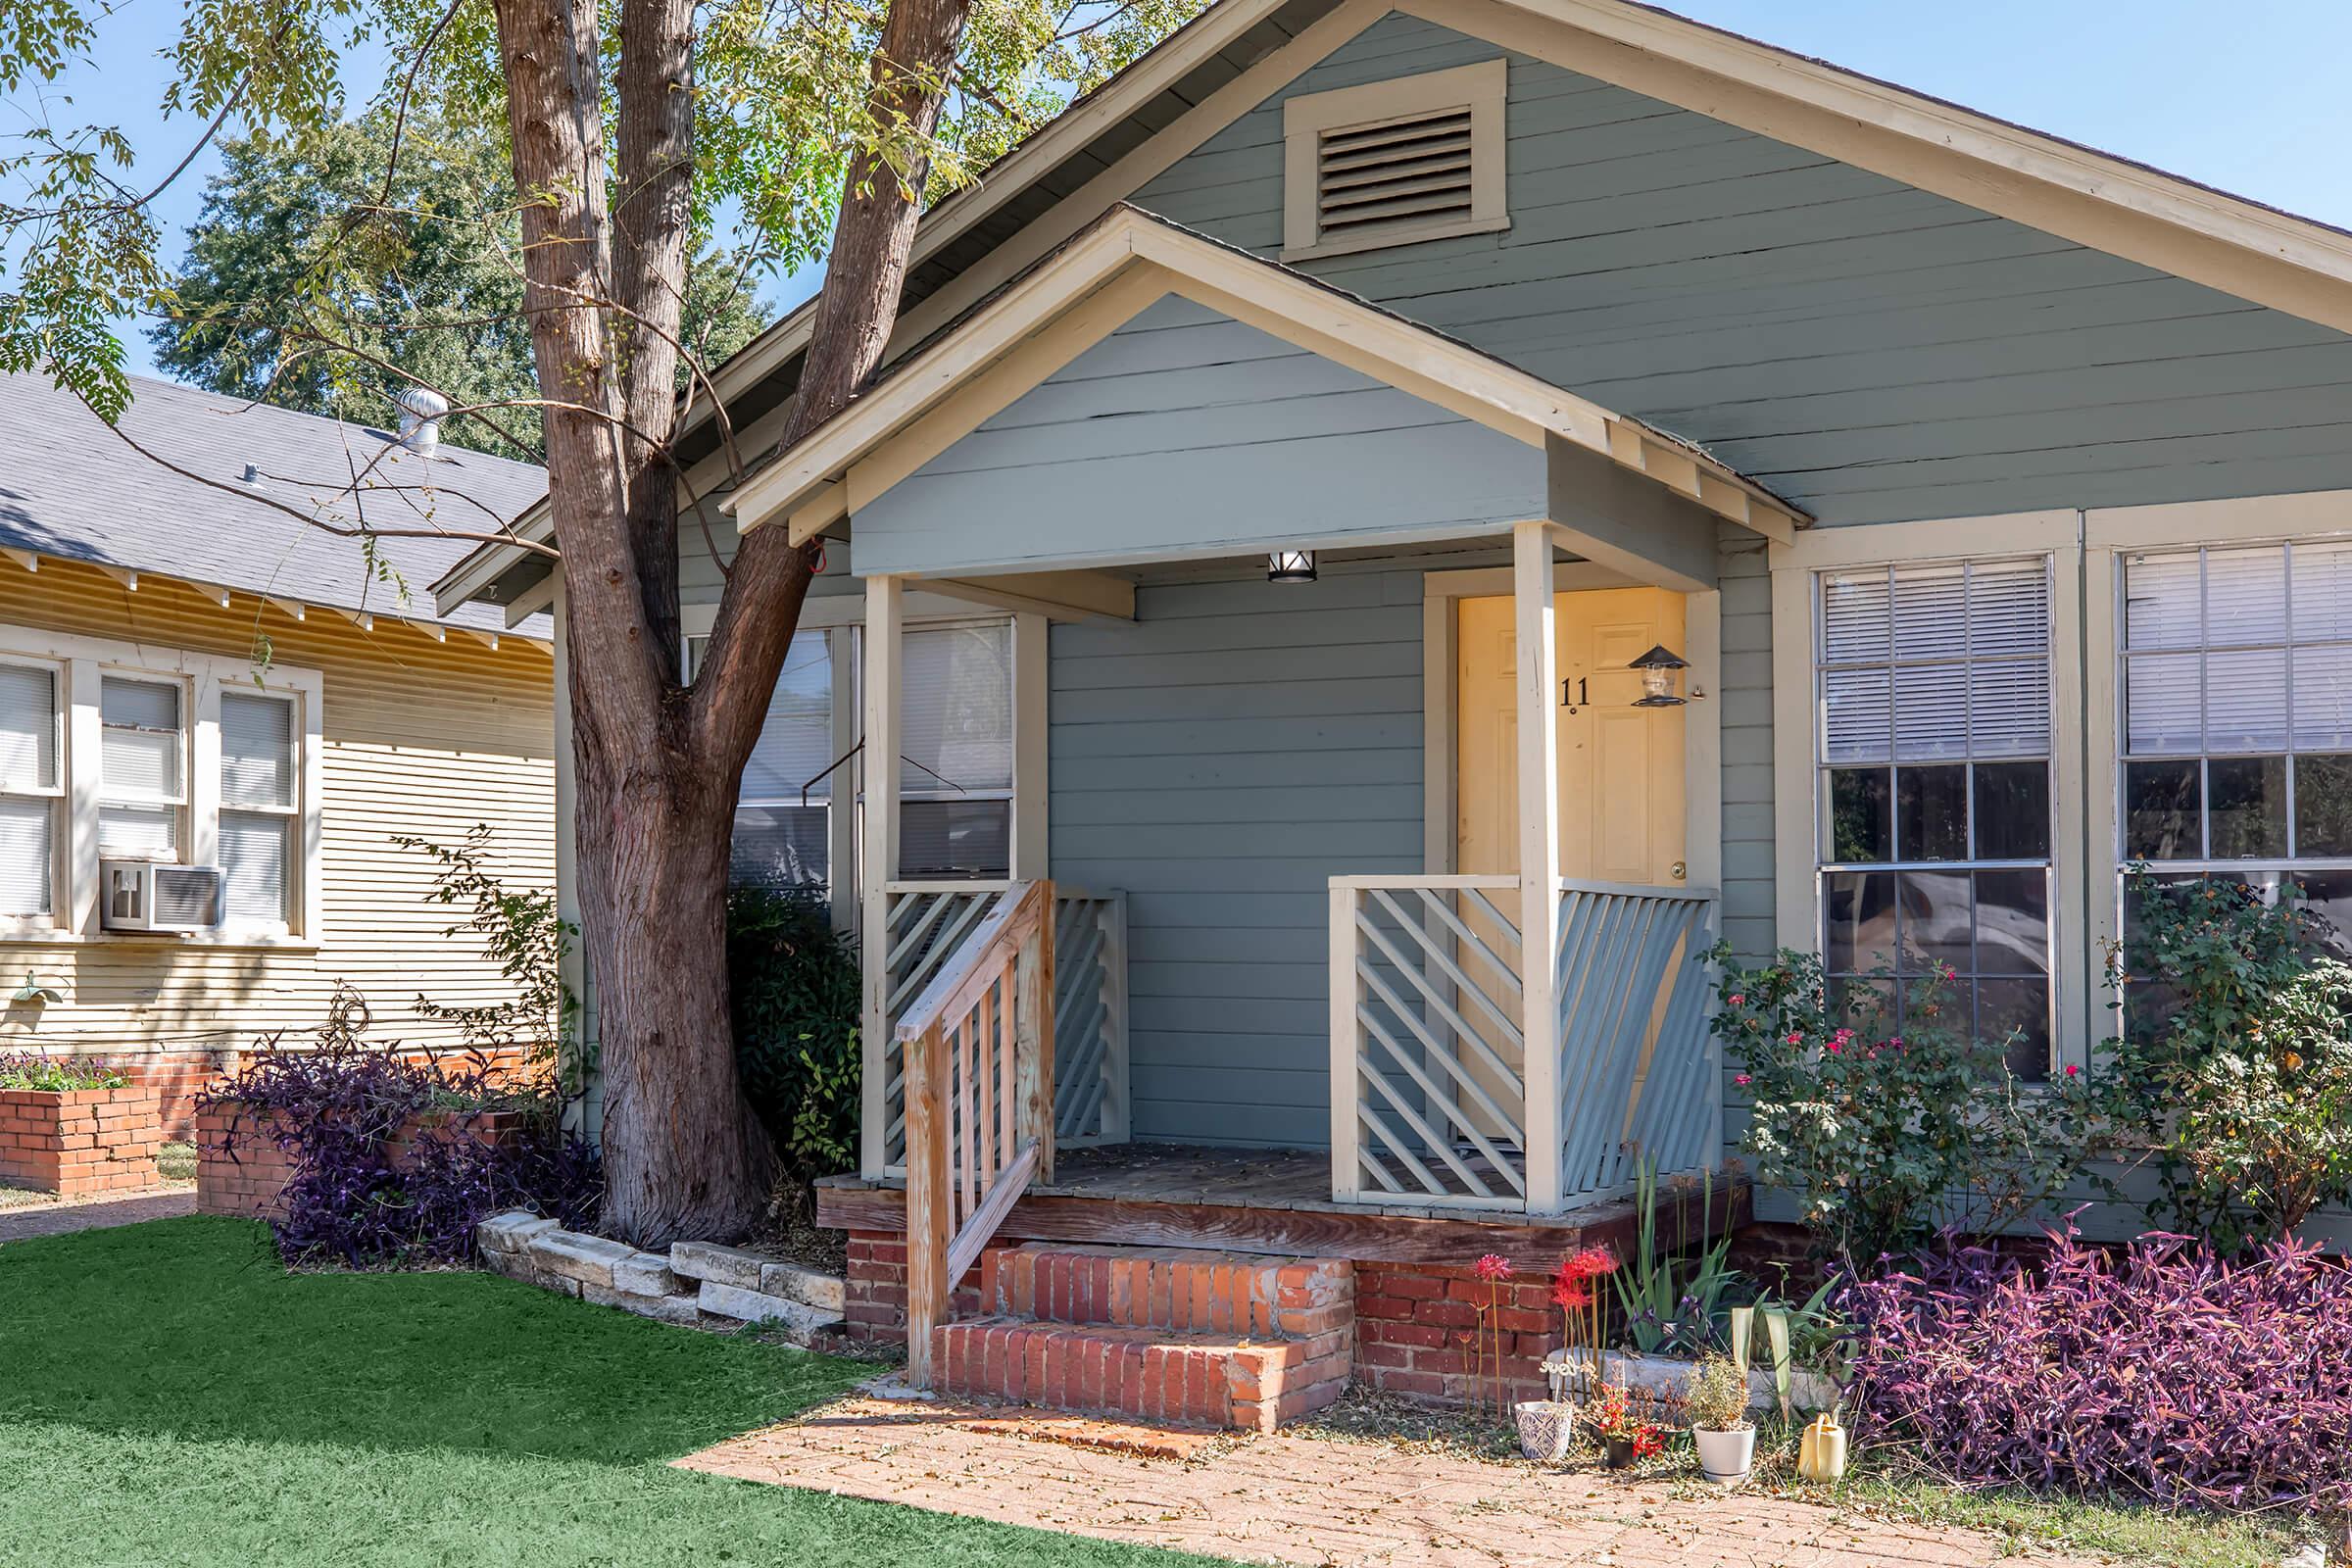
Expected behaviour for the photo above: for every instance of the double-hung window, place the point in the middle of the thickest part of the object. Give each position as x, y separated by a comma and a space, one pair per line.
30, 791
2237, 717
1933, 756
260, 808
781, 837
956, 753
143, 767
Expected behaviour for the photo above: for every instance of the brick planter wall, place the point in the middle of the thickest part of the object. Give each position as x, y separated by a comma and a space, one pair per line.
250, 1183
1416, 1331
82, 1141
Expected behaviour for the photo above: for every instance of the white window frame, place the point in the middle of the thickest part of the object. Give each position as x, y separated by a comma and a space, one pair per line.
182, 833
79, 664
1797, 713
2109, 535
1482, 88
60, 790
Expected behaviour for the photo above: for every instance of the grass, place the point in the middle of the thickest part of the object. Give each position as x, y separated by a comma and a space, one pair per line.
175, 1162
1880, 1485
172, 1396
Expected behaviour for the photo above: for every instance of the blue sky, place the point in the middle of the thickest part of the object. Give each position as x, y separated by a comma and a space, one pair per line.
2245, 97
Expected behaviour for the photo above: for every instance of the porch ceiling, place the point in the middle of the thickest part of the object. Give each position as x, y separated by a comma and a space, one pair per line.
1129, 261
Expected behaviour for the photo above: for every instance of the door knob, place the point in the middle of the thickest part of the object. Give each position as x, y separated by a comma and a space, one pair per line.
1678, 870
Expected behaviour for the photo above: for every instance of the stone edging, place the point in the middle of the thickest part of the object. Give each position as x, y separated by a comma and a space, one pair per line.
693, 1285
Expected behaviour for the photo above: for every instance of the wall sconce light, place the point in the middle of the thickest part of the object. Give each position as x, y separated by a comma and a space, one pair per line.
1657, 667
1289, 565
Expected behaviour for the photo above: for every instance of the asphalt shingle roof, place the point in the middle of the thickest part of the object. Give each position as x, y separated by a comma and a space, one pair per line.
72, 488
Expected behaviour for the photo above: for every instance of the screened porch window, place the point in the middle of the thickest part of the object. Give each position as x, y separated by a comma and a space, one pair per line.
2238, 718
956, 753
781, 837
1933, 749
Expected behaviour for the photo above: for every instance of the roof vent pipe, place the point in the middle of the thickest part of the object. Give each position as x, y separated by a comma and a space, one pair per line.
421, 411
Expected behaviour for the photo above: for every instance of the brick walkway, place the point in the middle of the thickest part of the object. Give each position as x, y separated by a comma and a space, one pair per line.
96, 1213
1314, 1501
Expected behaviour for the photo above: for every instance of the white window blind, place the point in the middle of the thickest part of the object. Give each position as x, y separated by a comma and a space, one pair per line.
142, 766
955, 730
257, 772
781, 838
28, 787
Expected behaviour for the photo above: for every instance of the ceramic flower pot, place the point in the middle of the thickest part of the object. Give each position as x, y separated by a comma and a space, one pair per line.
1544, 1429
1726, 1457
1619, 1451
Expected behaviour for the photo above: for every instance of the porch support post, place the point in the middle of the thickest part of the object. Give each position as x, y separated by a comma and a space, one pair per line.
885, 619
1538, 856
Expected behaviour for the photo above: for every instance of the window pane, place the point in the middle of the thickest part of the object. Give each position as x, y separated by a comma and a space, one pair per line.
2013, 810
1931, 711
1929, 612
2009, 607
1936, 922
2246, 797
257, 750
2322, 597
1858, 912
1860, 829
140, 832
1858, 725
2245, 596
139, 739
2009, 708
24, 855
2018, 1012
955, 839
2323, 697
2322, 806
778, 847
28, 727
2013, 922
1931, 814
796, 737
2328, 894
2161, 807
1853, 616
958, 713
252, 865
2245, 701
2162, 603
2160, 704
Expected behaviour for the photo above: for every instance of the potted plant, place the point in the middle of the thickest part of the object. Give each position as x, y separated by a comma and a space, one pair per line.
1717, 1403
1623, 1426
1546, 1427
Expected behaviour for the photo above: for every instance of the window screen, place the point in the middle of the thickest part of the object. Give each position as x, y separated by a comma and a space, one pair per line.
257, 807
28, 787
142, 744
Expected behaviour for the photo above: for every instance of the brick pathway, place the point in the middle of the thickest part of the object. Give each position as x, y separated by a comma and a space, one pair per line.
96, 1213
1313, 1501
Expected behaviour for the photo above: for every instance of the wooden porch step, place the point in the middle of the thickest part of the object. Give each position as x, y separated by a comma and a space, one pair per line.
1179, 1290
1223, 1381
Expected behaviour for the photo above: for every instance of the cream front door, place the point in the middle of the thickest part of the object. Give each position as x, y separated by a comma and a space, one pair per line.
1621, 767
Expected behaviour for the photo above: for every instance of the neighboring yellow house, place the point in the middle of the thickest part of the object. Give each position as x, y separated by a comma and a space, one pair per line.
192, 677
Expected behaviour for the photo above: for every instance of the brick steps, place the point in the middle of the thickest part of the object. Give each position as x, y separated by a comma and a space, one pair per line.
1154, 1334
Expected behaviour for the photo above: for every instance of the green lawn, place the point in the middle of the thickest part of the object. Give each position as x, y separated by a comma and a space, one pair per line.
170, 1395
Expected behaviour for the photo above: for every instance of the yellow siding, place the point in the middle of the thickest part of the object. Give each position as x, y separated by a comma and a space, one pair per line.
422, 737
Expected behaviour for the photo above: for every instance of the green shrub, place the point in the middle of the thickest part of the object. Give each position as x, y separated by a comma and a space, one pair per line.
2232, 1078
793, 990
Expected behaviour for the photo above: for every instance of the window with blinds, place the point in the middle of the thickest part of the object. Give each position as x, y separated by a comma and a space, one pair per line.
1934, 828
782, 838
259, 808
956, 748
142, 768
2236, 685
29, 789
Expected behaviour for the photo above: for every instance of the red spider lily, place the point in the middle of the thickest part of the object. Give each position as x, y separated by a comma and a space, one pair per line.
1492, 1267
1571, 1294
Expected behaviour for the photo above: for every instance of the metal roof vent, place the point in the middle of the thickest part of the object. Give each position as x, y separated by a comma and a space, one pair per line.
421, 411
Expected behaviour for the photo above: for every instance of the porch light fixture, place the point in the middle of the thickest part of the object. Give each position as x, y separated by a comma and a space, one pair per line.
1657, 667
1289, 565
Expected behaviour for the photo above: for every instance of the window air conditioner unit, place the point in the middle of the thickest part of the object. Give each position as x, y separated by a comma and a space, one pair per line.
158, 895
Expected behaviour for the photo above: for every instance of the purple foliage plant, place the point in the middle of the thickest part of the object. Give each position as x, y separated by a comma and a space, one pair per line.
337, 1112
2159, 1370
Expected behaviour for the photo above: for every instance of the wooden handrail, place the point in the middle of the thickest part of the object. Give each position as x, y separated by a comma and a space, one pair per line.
978, 1044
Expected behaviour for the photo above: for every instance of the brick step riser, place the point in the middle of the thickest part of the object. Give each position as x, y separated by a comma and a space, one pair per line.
1199, 1293
1106, 1370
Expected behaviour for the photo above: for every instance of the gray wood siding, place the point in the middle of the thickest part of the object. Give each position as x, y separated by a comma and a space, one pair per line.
1873, 352
1219, 759
1746, 718
1188, 434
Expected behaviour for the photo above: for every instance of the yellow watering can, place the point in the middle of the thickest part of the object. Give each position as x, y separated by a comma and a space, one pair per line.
1821, 1453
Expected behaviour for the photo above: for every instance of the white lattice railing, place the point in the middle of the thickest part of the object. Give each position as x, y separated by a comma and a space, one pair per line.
929, 921
1429, 1055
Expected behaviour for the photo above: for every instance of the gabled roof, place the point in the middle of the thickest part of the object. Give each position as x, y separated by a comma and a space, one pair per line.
71, 489
1126, 261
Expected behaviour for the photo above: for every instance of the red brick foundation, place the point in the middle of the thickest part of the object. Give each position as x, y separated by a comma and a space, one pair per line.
177, 1077
77, 1142
1417, 1331
874, 1311
249, 1179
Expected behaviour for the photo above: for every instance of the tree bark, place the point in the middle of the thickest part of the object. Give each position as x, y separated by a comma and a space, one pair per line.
656, 764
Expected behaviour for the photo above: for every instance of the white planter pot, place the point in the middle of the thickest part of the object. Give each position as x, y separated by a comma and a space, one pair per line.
1544, 1429
1669, 1377
1726, 1457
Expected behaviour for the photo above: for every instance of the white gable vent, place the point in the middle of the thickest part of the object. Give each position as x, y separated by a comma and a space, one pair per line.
1395, 163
